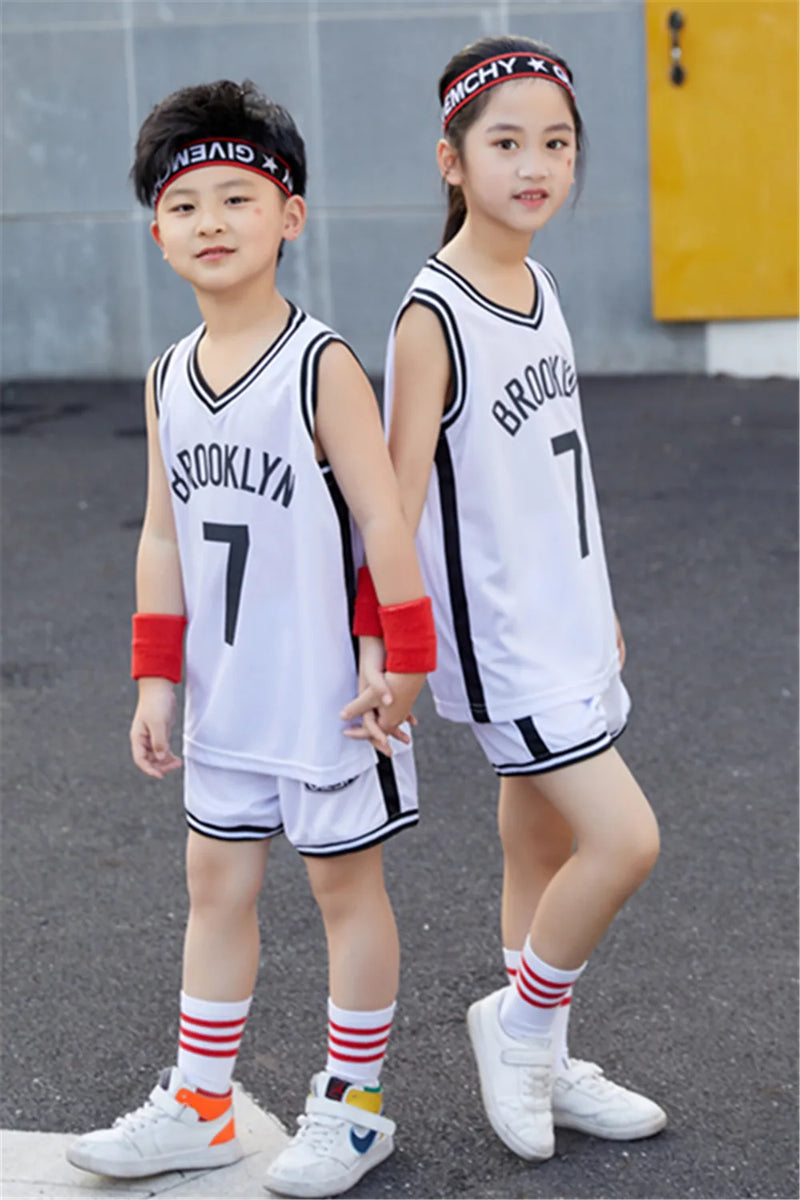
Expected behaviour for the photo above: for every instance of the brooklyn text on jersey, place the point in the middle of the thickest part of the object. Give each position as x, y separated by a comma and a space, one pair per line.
231, 466
550, 377
235, 152
499, 70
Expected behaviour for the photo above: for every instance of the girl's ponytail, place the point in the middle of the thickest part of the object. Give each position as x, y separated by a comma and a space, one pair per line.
456, 213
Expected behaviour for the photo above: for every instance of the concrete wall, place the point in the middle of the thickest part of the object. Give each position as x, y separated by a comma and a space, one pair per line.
85, 292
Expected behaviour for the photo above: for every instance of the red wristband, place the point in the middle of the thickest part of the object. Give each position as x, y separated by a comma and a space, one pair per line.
157, 646
410, 636
366, 619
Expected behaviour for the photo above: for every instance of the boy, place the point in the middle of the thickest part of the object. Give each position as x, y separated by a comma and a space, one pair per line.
262, 433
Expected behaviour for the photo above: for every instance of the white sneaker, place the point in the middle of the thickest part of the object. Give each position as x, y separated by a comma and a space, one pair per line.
516, 1080
176, 1129
584, 1099
341, 1136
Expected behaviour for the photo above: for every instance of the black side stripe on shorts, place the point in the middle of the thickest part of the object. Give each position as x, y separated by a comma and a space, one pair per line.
388, 782
532, 738
560, 757
455, 580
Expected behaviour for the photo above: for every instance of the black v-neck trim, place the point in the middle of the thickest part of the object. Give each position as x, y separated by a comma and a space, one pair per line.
532, 320
202, 389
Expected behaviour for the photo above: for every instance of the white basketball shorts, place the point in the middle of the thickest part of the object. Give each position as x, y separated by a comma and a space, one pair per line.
320, 821
559, 736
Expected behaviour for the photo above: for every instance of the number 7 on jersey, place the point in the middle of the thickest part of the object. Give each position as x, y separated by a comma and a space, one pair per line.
561, 445
238, 539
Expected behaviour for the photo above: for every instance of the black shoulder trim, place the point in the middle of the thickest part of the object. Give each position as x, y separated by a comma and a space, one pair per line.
455, 349
309, 376
160, 376
551, 279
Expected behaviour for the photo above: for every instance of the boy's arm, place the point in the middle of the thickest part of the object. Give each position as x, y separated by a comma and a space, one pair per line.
350, 435
159, 590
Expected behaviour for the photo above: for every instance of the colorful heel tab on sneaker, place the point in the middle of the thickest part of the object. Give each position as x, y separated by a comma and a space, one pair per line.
365, 1099
225, 1135
208, 1108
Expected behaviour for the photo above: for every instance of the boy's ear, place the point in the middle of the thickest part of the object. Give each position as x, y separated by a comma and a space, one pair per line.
294, 218
449, 163
156, 235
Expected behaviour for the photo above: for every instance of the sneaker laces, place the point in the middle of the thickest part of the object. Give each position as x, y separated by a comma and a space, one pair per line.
147, 1114
536, 1077
317, 1131
590, 1076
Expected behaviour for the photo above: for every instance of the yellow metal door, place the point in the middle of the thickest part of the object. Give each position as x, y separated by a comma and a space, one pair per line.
723, 158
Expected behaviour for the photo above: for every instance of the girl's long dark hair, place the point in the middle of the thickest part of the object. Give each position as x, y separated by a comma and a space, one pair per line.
465, 60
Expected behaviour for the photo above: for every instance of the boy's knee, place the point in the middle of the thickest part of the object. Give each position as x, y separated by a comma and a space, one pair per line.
215, 880
341, 885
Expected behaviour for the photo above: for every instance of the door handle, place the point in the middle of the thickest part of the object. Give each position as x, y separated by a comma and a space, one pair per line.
675, 23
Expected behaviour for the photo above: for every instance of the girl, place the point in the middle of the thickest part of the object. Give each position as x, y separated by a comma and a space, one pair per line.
489, 447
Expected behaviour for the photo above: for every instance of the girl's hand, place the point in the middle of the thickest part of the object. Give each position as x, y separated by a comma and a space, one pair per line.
404, 690
374, 695
151, 728
620, 643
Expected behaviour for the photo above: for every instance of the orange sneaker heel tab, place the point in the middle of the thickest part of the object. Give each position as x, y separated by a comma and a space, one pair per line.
225, 1135
208, 1108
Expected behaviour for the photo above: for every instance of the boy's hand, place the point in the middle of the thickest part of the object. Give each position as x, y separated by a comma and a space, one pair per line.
151, 727
374, 695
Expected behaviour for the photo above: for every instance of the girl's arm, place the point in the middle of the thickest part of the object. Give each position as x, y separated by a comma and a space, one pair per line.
159, 589
350, 436
421, 386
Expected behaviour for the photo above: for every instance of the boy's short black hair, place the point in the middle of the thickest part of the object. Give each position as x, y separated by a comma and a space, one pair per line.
218, 110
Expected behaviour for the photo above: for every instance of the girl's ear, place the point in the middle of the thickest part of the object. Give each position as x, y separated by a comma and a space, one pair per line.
449, 163
294, 218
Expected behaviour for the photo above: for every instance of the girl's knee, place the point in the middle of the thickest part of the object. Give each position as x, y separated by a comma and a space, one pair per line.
532, 832
638, 849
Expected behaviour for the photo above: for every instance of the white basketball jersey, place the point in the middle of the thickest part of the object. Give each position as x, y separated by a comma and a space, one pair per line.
509, 541
267, 556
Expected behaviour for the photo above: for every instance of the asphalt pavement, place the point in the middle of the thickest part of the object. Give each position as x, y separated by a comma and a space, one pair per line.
692, 995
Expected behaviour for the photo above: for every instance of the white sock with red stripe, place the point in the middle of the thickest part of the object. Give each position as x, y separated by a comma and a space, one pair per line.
561, 1020
209, 1040
357, 1043
511, 959
531, 1005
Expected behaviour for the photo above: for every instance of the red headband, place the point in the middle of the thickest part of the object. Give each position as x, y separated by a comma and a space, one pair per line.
235, 152
498, 70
